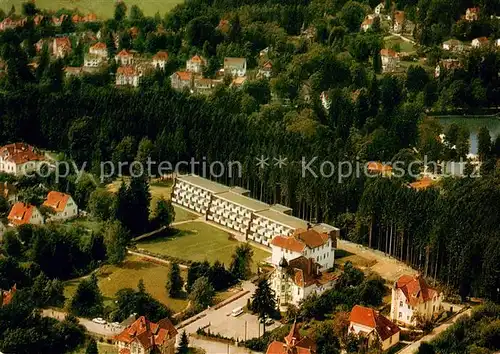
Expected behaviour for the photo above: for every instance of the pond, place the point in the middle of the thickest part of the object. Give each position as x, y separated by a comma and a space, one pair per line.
473, 124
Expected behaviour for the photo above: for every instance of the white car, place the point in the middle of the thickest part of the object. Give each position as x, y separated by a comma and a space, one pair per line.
99, 320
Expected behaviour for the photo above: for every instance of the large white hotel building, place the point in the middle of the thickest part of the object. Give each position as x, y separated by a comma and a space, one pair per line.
232, 208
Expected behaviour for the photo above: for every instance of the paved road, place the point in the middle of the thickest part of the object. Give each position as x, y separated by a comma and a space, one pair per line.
102, 330
411, 349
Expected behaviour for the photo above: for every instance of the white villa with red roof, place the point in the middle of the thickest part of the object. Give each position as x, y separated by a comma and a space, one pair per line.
294, 280
19, 158
99, 49
411, 296
369, 324
390, 60
295, 343
62, 204
146, 337
124, 57
181, 80
160, 60
308, 243
472, 14
22, 214
61, 47
235, 66
127, 76
196, 64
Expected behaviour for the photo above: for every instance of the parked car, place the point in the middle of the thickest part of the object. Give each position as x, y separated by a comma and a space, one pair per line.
268, 321
99, 320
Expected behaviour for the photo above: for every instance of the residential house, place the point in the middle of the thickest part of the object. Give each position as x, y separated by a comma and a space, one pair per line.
196, 64
367, 24
127, 76
7, 296
264, 51
390, 60
295, 343
421, 184
378, 168
294, 280
22, 214
472, 14
62, 204
146, 337
266, 70
373, 327
93, 61
160, 60
238, 82
446, 64
205, 86
181, 80
99, 49
57, 21
10, 23
308, 243
453, 45
37, 20
480, 42
379, 8
124, 57
399, 22
19, 159
61, 47
412, 298
235, 66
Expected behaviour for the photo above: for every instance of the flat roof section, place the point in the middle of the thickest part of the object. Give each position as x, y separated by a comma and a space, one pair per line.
325, 228
283, 219
241, 200
282, 208
204, 183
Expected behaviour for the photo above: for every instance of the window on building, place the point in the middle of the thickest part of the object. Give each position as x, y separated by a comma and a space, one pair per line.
390, 340
407, 318
409, 307
400, 315
425, 305
401, 304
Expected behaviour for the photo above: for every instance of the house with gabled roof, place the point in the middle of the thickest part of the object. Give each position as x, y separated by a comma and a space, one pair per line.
472, 14
99, 49
294, 280
160, 60
412, 297
266, 70
379, 8
294, 343
181, 80
480, 42
127, 76
372, 326
19, 158
6, 296
390, 60
124, 57
62, 205
235, 66
146, 337
367, 24
453, 45
23, 213
379, 168
61, 47
196, 64
308, 243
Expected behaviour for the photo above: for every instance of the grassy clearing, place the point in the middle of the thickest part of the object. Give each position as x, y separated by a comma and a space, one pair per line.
127, 275
103, 9
198, 241
342, 257
393, 42
87, 223
183, 215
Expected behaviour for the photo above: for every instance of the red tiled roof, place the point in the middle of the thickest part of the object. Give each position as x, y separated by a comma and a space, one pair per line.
300, 239
288, 243
20, 213
415, 289
147, 333
57, 200
424, 183
124, 351
183, 75
370, 318
7, 296
124, 53
399, 16
294, 344
20, 153
126, 71
198, 59
267, 65
306, 271
161, 55
99, 45
63, 42
482, 39
388, 53
473, 9
367, 21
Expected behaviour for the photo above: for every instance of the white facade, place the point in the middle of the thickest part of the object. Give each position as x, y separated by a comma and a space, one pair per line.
18, 169
379, 8
356, 328
195, 64
237, 67
69, 211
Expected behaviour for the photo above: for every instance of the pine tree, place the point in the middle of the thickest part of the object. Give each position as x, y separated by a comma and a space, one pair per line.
242, 261
377, 62
483, 143
263, 301
139, 201
183, 344
88, 300
92, 347
174, 282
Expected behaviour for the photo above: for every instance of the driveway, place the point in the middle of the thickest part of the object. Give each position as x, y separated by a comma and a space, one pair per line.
95, 328
412, 348
221, 321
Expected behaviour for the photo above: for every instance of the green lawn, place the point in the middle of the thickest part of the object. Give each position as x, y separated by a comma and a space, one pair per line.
87, 223
127, 275
393, 41
183, 215
102, 8
198, 241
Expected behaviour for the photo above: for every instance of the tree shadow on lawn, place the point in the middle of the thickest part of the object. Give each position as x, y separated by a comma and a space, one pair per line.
168, 235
